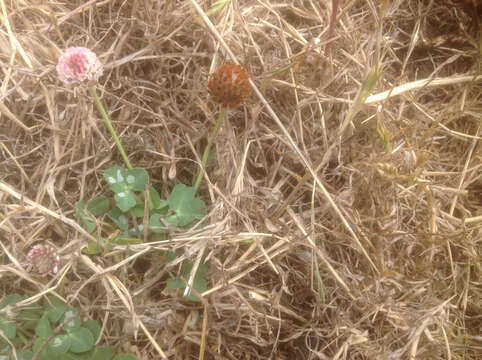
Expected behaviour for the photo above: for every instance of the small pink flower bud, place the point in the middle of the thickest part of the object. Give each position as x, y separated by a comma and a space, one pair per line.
78, 65
44, 260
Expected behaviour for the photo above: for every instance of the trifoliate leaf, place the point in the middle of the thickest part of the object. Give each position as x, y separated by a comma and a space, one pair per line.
103, 353
154, 199
156, 225
119, 218
116, 178
82, 340
43, 328
10, 299
125, 200
8, 327
98, 206
73, 320
137, 178
94, 327
60, 344
124, 357
187, 208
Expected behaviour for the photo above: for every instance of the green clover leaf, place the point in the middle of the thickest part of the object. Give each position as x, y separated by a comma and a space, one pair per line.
186, 207
115, 177
119, 218
60, 344
137, 179
125, 200
98, 206
43, 328
82, 340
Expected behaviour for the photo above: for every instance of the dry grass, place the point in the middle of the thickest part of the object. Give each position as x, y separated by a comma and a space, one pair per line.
399, 242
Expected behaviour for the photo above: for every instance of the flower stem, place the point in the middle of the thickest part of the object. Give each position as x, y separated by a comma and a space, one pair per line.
207, 151
102, 111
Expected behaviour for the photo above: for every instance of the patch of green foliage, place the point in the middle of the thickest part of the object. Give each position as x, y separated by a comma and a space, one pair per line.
125, 211
53, 330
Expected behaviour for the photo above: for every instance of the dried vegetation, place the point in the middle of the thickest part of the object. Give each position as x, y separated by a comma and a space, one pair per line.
398, 245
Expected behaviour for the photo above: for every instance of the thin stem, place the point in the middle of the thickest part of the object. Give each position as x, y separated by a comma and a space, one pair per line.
102, 111
221, 115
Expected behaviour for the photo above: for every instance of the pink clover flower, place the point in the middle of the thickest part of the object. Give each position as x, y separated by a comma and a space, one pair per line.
44, 260
79, 65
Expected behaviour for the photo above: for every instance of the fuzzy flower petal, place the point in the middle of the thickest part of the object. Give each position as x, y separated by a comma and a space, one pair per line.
79, 65
44, 260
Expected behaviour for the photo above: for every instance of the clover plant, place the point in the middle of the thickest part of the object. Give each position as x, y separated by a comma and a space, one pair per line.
80, 67
53, 330
124, 213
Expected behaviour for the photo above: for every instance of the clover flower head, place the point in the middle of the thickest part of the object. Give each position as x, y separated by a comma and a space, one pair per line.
44, 260
229, 85
78, 65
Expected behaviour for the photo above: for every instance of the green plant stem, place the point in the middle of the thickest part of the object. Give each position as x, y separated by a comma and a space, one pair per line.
108, 123
207, 151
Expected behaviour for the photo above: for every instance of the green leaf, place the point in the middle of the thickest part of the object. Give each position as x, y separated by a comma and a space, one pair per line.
103, 353
185, 205
60, 344
10, 299
137, 178
94, 327
125, 357
98, 206
119, 218
138, 210
137, 231
43, 328
199, 283
283, 69
367, 86
125, 239
89, 223
82, 340
172, 220
39, 341
24, 355
44, 354
385, 137
55, 309
218, 5
125, 200
155, 224
154, 199
73, 320
163, 207
80, 356
116, 178
200, 286
92, 248
172, 255
8, 327
53, 301
321, 285
174, 284
29, 319
48, 353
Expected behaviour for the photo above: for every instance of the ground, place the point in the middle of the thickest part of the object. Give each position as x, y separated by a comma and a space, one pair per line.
343, 197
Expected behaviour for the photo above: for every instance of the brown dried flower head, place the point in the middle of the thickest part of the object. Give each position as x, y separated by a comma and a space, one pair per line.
229, 85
